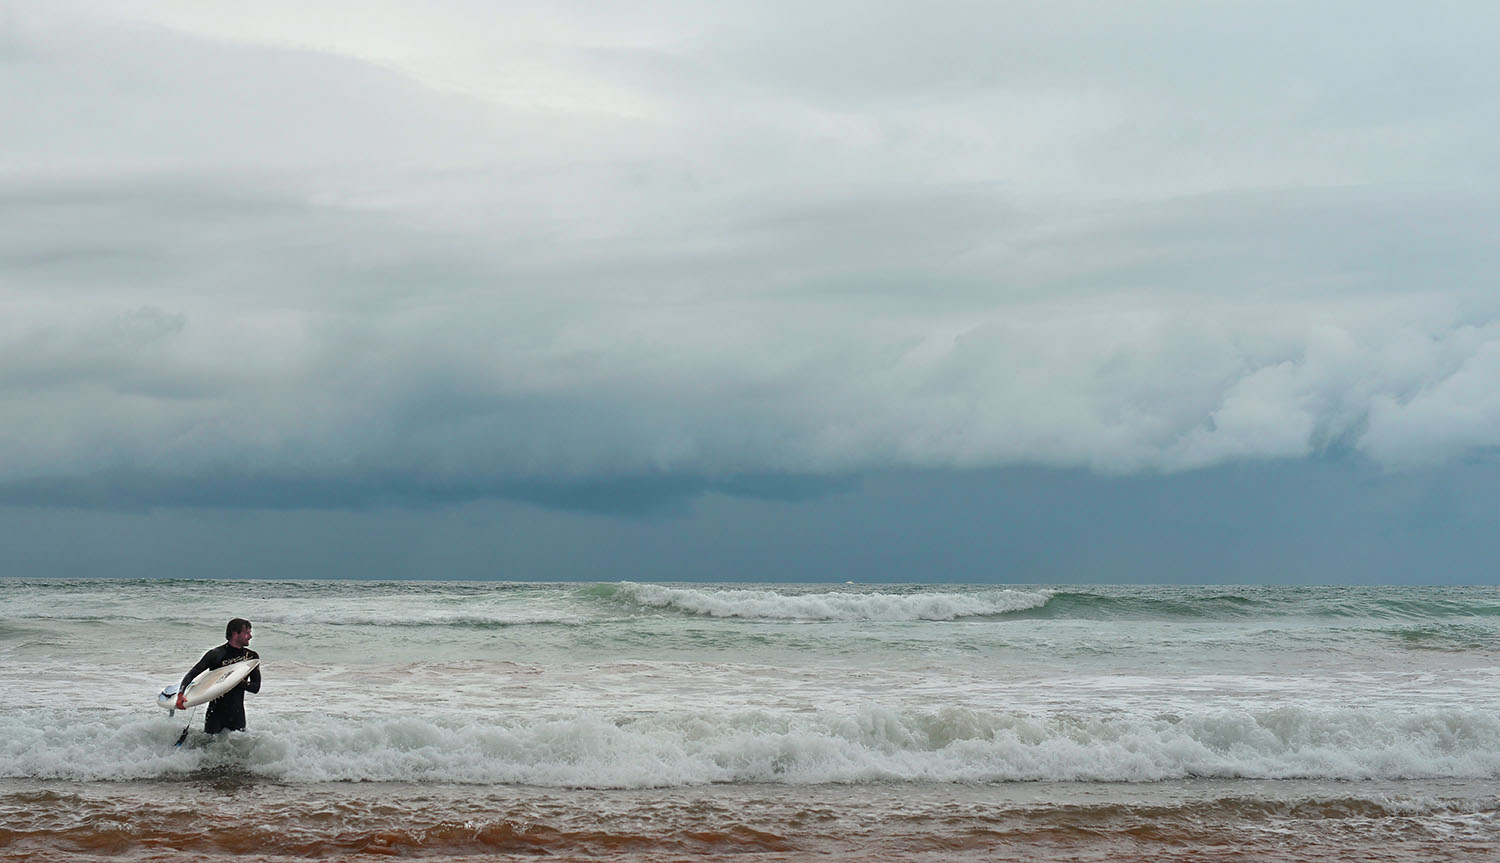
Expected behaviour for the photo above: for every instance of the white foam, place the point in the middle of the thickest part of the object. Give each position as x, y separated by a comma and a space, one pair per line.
834, 605
600, 749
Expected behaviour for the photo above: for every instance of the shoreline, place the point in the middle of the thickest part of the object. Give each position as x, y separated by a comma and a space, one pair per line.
241, 817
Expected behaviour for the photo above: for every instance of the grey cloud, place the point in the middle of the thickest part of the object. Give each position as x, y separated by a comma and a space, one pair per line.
387, 487
453, 377
1305, 51
101, 99
349, 287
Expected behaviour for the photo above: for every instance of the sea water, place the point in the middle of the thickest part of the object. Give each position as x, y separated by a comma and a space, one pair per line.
672, 721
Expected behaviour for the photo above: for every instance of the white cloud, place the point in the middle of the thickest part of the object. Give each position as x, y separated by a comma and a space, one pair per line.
1452, 415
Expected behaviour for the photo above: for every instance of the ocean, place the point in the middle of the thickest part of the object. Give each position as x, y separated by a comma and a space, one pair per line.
662, 722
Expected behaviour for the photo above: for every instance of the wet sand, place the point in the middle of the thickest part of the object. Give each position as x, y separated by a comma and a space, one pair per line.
230, 815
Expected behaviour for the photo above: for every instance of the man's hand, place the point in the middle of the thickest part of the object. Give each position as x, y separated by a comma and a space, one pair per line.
182, 697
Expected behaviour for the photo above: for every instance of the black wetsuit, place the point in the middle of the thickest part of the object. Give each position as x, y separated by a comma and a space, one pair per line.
228, 710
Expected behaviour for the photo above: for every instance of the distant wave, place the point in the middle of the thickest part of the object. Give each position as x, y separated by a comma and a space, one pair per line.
1228, 603
1403, 606
1448, 637
951, 745
829, 605
1153, 604
422, 617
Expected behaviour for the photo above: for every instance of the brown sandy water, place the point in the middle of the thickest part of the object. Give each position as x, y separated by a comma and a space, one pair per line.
234, 816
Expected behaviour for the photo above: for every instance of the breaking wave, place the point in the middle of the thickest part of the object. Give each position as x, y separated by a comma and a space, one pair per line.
948, 745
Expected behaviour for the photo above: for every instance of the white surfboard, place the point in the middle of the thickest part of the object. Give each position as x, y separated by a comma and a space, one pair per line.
208, 685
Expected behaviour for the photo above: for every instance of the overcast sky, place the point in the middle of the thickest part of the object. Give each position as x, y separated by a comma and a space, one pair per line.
970, 291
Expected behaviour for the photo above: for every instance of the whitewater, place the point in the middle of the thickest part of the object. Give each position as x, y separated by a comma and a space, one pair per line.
1382, 697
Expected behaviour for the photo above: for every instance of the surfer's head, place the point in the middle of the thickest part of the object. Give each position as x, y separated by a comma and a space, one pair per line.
237, 632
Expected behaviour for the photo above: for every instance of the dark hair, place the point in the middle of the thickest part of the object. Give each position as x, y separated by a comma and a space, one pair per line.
239, 624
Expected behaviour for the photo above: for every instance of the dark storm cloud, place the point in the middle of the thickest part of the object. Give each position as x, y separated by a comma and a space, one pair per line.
1287, 522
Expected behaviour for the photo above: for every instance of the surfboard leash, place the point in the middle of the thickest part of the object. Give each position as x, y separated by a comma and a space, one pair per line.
183, 736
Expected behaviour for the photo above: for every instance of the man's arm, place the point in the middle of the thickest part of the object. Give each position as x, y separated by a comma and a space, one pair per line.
207, 662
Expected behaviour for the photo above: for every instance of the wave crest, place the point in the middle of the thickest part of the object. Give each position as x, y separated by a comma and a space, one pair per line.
832, 605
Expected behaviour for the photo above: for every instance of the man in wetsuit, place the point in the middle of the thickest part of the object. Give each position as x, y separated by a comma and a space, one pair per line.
228, 710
